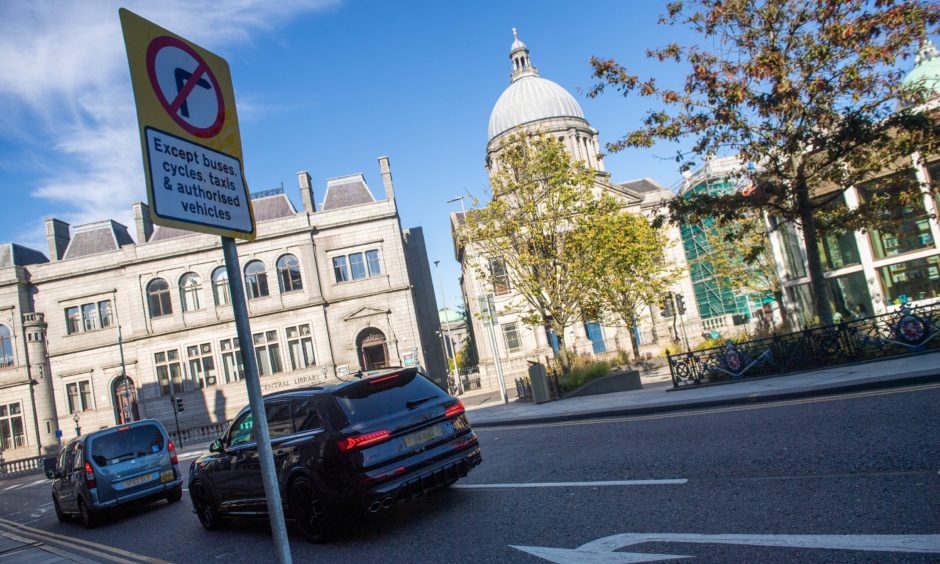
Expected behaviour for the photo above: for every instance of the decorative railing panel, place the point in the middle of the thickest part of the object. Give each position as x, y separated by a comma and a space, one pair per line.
910, 329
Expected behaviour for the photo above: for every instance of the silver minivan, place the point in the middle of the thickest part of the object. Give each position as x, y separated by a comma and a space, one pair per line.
111, 467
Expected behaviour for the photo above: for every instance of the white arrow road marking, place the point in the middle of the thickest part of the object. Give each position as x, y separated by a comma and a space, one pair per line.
571, 484
603, 550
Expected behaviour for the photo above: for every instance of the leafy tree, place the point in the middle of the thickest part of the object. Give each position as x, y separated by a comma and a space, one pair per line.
628, 269
534, 228
806, 90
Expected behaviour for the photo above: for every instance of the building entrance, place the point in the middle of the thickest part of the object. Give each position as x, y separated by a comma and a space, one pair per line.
125, 400
373, 351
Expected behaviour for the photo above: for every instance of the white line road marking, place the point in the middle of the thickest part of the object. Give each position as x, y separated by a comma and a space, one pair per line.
692, 411
14, 486
604, 549
571, 484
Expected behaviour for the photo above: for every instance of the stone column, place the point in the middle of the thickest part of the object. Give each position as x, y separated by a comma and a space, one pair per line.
47, 418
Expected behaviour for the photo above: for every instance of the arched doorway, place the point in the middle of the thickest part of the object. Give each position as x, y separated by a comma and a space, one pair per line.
373, 352
124, 396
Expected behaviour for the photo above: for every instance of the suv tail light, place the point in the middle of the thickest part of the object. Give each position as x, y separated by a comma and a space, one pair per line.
174, 459
360, 441
89, 476
455, 409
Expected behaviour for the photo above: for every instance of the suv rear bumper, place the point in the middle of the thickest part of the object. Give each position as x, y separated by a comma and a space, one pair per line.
440, 474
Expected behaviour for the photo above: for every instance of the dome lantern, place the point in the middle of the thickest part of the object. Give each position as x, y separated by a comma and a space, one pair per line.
519, 55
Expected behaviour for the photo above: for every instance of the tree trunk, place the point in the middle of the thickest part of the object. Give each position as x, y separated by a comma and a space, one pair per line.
778, 297
562, 350
817, 281
631, 326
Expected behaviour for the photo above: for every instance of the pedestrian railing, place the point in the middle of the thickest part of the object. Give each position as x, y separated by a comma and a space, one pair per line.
910, 329
10, 468
204, 433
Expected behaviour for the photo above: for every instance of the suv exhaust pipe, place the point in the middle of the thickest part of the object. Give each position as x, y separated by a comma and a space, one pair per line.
375, 506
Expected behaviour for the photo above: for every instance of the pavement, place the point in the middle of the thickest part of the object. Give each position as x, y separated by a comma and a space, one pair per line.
486, 409
659, 395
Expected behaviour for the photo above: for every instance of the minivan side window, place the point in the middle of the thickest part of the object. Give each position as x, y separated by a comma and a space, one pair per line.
305, 415
78, 462
65, 461
242, 431
278, 415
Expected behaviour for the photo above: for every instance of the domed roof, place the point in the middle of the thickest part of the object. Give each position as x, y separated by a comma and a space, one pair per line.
926, 73
531, 98
447, 315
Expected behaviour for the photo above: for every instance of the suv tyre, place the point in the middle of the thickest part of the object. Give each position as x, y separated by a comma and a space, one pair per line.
205, 507
308, 511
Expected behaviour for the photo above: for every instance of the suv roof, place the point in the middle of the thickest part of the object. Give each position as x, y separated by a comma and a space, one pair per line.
359, 377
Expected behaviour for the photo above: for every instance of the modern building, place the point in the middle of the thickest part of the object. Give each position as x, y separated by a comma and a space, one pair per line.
723, 308
531, 104
108, 329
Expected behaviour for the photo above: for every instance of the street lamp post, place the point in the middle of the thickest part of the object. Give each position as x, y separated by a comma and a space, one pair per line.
78, 430
449, 338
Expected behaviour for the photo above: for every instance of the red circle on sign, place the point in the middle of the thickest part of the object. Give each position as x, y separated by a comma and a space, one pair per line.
172, 106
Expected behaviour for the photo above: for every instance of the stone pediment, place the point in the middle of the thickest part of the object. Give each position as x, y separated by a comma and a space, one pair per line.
366, 312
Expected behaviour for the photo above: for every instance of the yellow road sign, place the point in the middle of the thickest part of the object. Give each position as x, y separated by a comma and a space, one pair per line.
189, 134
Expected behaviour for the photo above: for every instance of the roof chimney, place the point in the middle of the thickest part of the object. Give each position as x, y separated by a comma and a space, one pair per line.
387, 178
306, 191
58, 237
142, 222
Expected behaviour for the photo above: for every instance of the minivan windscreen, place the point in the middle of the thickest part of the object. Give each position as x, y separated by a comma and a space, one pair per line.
126, 443
379, 397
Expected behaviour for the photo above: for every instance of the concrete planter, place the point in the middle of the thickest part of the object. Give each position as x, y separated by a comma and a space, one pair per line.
614, 382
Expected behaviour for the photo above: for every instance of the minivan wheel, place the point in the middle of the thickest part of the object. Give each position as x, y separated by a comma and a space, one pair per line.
89, 516
309, 512
62, 517
175, 494
204, 506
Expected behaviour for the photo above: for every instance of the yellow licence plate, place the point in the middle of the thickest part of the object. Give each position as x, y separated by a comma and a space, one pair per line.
423, 436
166, 476
138, 480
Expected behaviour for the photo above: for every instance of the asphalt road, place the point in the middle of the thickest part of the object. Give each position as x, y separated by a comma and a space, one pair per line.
762, 480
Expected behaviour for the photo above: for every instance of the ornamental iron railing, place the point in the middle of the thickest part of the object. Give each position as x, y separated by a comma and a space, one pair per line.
910, 329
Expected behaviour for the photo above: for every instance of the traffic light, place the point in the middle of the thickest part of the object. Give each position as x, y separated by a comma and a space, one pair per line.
680, 304
666, 305
179, 405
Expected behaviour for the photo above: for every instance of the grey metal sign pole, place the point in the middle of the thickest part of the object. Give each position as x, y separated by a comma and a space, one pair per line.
268, 474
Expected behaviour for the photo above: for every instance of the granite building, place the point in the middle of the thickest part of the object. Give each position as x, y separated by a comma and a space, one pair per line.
106, 328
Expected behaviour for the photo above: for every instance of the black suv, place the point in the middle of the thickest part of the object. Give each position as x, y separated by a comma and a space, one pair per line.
360, 445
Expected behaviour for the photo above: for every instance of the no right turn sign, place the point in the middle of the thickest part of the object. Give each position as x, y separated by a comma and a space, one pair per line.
189, 132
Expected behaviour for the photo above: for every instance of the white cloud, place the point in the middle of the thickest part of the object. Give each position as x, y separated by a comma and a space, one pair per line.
64, 85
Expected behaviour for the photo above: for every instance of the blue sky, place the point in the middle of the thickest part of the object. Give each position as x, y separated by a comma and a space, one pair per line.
321, 85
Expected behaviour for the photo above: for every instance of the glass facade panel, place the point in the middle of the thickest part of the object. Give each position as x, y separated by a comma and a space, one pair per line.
793, 254
917, 279
339, 269
910, 225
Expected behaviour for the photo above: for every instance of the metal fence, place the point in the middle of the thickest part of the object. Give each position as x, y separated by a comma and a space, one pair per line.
524, 387
910, 329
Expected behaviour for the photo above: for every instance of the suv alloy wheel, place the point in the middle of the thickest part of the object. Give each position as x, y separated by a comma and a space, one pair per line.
308, 512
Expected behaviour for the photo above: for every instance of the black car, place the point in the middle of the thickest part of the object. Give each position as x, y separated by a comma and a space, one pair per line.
360, 445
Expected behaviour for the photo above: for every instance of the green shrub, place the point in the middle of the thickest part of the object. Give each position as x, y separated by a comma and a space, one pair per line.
581, 375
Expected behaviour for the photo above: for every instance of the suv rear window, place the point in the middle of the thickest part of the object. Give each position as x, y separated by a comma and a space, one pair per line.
384, 395
126, 444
